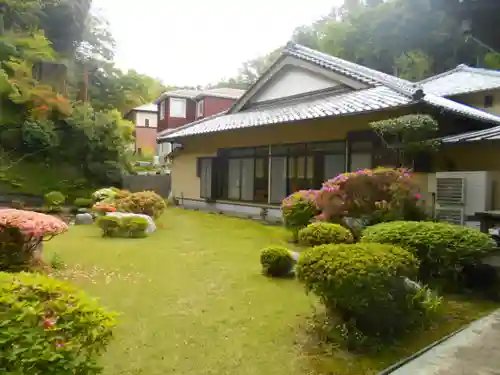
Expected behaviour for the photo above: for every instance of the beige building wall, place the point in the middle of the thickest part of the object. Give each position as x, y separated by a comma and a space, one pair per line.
477, 100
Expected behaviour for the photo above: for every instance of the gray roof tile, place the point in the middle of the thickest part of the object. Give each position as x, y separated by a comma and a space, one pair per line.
462, 80
480, 135
313, 107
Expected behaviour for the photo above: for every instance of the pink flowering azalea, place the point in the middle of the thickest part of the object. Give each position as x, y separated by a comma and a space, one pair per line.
32, 224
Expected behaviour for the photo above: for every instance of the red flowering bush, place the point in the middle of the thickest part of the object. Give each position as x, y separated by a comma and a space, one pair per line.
103, 208
21, 235
374, 195
298, 209
49, 327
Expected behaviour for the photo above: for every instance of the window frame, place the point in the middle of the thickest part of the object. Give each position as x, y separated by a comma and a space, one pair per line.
171, 107
163, 110
489, 101
200, 108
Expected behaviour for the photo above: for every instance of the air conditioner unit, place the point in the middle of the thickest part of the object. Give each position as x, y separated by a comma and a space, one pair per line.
460, 195
451, 215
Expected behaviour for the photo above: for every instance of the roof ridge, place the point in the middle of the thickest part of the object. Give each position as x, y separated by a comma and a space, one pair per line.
484, 71
400, 85
443, 74
175, 130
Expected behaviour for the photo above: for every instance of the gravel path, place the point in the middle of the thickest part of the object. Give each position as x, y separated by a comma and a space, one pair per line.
474, 351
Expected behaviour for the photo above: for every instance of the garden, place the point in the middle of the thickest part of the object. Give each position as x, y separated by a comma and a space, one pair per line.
357, 279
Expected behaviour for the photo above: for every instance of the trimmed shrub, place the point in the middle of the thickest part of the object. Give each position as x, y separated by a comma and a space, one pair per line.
298, 209
324, 233
54, 199
111, 226
105, 195
373, 195
364, 285
21, 235
144, 202
49, 327
276, 261
83, 202
443, 249
134, 227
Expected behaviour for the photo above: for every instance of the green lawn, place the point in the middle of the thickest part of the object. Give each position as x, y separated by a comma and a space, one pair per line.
192, 301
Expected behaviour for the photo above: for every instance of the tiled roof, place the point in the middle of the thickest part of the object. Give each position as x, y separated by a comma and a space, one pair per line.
221, 92
462, 80
480, 135
386, 92
367, 100
353, 70
460, 109
146, 108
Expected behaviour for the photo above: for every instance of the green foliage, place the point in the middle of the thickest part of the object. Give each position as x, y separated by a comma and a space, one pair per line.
365, 285
56, 262
111, 226
414, 65
83, 202
323, 233
49, 327
127, 226
408, 134
372, 195
144, 202
135, 227
298, 210
443, 249
276, 261
54, 199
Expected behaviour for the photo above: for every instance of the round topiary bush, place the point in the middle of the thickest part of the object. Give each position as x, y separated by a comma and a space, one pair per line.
49, 327
144, 202
322, 233
298, 209
83, 202
365, 284
443, 249
276, 261
54, 199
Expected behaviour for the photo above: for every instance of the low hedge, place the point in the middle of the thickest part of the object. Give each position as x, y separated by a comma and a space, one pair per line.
127, 226
276, 261
322, 233
364, 284
49, 327
443, 249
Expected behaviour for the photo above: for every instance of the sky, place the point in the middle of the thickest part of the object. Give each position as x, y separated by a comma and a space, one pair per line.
197, 42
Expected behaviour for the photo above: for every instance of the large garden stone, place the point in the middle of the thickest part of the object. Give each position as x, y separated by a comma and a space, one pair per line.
84, 219
151, 227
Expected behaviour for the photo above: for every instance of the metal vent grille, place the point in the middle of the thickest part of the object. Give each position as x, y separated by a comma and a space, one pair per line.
450, 191
450, 215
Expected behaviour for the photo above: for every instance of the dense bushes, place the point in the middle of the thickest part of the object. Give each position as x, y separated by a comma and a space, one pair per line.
298, 210
144, 202
54, 200
50, 328
373, 195
364, 284
21, 234
443, 249
321, 233
83, 202
276, 261
127, 226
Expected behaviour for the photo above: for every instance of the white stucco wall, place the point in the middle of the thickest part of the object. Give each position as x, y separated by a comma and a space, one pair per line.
140, 119
294, 81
